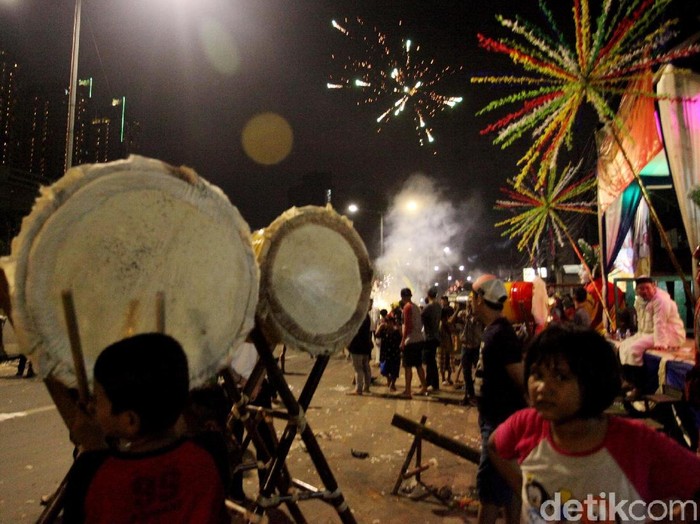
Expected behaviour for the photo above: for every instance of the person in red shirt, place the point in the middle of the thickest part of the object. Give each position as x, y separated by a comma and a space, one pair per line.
412, 343
149, 472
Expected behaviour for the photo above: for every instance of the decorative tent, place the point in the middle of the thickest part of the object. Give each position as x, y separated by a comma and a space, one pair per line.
680, 123
656, 143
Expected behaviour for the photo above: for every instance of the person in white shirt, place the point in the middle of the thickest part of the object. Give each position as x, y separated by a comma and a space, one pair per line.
659, 325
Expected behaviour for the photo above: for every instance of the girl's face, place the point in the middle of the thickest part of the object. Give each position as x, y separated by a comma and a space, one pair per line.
554, 390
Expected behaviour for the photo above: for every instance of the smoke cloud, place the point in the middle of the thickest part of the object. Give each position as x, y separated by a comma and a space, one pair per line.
423, 230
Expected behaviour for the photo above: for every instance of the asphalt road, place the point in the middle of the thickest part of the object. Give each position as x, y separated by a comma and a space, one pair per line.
35, 452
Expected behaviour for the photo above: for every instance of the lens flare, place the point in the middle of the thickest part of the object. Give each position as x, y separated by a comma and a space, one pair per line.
219, 46
267, 138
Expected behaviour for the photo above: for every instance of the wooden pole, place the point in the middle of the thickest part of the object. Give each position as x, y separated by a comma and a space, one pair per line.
160, 312
75, 346
432, 436
603, 275
55, 505
409, 456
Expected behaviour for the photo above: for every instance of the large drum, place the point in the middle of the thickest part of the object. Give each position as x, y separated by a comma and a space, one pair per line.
118, 236
315, 279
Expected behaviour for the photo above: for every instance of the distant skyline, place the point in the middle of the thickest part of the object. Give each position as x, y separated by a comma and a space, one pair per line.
195, 73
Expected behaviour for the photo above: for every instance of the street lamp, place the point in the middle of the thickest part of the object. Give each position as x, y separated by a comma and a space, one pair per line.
354, 208
411, 206
72, 93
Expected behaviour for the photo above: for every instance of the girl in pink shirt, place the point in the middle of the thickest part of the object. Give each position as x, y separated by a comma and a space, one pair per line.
571, 461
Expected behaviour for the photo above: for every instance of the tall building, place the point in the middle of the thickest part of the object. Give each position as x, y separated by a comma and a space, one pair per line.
132, 136
18, 189
83, 126
33, 137
44, 148
9, 102
101, 133
108, 133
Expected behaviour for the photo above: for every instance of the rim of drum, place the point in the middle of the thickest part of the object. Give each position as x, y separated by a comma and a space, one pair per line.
320, 216
157, 175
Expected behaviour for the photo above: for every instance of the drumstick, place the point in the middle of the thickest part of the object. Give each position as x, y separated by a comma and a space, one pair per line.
75, 347
160, 312
131, 315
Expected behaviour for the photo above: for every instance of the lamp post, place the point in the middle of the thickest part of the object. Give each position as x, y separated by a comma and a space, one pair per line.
73, 86
354, 208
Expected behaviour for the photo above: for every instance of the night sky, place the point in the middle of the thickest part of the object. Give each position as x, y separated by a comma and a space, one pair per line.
192, 113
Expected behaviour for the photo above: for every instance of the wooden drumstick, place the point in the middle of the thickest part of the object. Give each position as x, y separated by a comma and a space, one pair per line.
160, 312
131, 316
75, 346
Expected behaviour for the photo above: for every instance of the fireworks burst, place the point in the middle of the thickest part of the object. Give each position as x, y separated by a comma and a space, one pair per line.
542, 208
397, 79
628, 38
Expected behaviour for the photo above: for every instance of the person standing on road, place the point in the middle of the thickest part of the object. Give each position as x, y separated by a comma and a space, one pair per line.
430, 316
389, 335
499, 389
470, 341
374, 319
360, 349
446, 347
411, 343
581, 316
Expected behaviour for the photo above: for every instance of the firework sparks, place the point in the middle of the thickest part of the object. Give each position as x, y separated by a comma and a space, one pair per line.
626, 40
543, 208
396, 79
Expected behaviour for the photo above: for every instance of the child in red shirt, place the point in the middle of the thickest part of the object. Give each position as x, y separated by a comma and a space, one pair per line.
151, 472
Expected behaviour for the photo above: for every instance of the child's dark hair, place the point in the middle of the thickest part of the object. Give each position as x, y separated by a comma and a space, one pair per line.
148, 374
208, 404
590, 357
580, 294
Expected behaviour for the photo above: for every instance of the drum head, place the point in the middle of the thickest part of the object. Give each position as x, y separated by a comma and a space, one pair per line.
116, 235
315, 279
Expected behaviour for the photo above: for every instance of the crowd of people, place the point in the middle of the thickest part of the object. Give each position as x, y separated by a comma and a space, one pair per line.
438, 341
562, 457
549, 450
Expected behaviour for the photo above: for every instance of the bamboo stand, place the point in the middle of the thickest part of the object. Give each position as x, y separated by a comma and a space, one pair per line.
421, 433
278, 486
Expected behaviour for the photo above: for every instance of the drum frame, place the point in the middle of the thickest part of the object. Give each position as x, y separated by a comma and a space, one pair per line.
278, 478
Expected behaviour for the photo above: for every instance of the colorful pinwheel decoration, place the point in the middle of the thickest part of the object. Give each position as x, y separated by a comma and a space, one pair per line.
545, 208
629, 36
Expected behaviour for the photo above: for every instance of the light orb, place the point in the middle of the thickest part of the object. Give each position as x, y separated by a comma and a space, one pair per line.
267, 138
